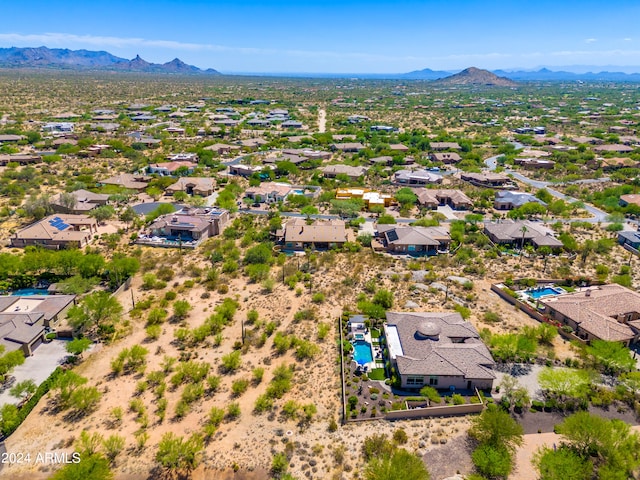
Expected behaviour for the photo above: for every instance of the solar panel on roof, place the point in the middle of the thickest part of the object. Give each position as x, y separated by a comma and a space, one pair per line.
63, 226
392, 235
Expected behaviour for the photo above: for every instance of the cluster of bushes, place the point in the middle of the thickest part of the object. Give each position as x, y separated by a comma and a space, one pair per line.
280, 384
13, 416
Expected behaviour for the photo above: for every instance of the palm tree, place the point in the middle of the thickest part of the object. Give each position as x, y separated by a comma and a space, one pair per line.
524, 230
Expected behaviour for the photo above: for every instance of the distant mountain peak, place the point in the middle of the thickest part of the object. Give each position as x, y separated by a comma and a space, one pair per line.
477, 76
43, 57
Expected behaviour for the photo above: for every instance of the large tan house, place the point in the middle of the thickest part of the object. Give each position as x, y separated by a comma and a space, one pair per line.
23, 319
57, 231
203, 186
438, 349
607, 312
321, 234
84, 201
185, 228
409, 240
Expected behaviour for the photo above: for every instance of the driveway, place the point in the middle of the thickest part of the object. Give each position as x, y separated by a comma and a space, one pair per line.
37, 367
526, 374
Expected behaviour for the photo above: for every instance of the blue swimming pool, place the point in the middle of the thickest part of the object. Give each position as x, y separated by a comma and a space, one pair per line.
544, 292
26, 292
362, 352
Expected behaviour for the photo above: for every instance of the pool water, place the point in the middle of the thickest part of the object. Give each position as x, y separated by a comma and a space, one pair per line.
359, 336
26, 292
545, 292
362, 352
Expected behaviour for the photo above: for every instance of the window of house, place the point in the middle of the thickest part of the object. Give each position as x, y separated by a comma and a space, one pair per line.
433, 381
415, 380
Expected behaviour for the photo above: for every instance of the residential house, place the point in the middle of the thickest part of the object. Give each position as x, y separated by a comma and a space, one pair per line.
185, 228
352, 147
535, 163
248, 170
358, 119
591, 140
607, 312
445, 146
321, 234
23, 320
629, 199
383, 128
411, 240
58, 127
169, 169
332, 171
222, 148
508, 200
20, 158
252, 143
291, 124
438, 349
615, 163
203, 186
84, 202
618, 148
416, 177
398, 147
57, 231
629, 239
129, 181
369, 197
447, 158
521, 232
269, 192
8, 138
384, 160
431, 198
488, 180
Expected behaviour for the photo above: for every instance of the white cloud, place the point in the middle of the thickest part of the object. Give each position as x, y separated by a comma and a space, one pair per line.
590, 40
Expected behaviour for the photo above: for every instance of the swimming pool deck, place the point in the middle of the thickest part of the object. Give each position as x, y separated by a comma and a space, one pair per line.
376, 351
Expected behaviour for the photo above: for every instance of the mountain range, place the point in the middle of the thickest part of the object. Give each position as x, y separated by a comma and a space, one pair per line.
62, 58
476, 76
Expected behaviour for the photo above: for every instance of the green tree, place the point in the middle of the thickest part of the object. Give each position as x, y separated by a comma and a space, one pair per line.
406, 198
96, 309
386, 220
102, 213
496, 428
308, 211
610, 443
175, 454
613, 358
78, 345
400, 465
89, 467
562, 464
565, 383
492, 461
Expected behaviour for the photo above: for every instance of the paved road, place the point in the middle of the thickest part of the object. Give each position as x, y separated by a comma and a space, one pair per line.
597, 214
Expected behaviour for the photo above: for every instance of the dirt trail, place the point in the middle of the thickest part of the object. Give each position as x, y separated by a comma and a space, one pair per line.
322, 120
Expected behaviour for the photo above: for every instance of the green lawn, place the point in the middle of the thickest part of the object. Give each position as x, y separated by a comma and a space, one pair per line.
375, 333
377, 374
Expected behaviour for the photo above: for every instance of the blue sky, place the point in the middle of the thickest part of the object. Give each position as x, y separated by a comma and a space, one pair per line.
349, 36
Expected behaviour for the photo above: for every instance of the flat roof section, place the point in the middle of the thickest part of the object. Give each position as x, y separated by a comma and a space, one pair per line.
393, 341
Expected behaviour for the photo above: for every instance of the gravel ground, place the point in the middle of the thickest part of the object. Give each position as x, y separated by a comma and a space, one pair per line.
526, 374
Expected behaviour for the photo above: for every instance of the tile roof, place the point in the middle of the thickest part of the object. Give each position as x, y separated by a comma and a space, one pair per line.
596, 310
332, 231
456, 350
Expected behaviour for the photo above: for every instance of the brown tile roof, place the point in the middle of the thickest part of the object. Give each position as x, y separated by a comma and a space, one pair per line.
457, 351
596, 310
332, 231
